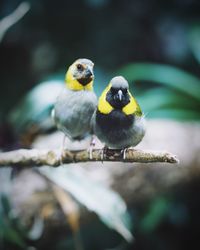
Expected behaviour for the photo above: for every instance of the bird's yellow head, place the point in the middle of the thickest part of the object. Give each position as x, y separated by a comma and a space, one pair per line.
80, 75
117, 96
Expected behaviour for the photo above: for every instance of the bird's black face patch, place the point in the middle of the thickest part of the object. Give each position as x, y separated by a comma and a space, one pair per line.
115, 100
85, 80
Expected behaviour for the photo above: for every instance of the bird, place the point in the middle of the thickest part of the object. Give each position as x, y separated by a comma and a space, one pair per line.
118, 120
77, 102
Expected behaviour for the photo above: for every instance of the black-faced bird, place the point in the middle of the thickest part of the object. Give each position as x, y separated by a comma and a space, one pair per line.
118, 120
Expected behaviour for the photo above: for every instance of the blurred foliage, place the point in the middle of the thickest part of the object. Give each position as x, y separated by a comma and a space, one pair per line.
35, 108
107, 204
170, 220
162, 36
104, 202
157, 210
174, 94
194, 38
113, 34
10, 228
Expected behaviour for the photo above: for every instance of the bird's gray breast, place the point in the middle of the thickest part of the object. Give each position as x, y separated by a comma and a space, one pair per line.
73, 112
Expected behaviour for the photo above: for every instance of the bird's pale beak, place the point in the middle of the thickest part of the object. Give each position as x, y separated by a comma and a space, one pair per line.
88, 73
120, 94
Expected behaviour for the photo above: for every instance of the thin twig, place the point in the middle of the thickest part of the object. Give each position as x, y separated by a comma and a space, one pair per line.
13, 18
35, 157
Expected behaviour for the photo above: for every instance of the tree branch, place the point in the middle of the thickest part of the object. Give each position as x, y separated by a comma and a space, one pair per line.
35, 157
13, 18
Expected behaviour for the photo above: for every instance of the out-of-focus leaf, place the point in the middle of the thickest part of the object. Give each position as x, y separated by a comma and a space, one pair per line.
107, 204
155, 214
180, 114
8, 229
37, 229
13, 18
36, 106
71, 211
194, 41
165, 75
69, 207
162, 97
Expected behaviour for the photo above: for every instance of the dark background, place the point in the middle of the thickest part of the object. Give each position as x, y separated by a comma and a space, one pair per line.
156, 46
111, 33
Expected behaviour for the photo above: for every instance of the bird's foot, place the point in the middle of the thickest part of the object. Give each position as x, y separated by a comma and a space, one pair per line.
61, 154
123, 152
103, 153
90, 149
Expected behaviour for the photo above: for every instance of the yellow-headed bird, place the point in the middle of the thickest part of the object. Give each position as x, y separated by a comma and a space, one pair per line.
118, 120
77, 102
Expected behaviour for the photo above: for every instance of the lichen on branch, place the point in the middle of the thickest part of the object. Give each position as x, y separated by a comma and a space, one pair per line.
36, 157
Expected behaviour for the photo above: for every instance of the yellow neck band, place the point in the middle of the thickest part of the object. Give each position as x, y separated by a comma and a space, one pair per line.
131, 108
103, 106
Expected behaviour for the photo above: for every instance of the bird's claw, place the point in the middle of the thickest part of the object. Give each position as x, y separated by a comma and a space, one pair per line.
61, 155
103, 153
92, 145
90, 150
123, 151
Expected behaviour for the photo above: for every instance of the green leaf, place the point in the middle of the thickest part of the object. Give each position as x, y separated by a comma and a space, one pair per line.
158, 98
8, 230
36, 105
165, 75
194, 41
155, 214
107, 204
179, 114
36, 229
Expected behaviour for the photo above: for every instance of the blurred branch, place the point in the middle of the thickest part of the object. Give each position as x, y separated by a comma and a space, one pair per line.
13, 18
34, 157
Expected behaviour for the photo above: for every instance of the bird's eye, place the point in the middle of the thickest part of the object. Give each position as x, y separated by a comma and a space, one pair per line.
79, 67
